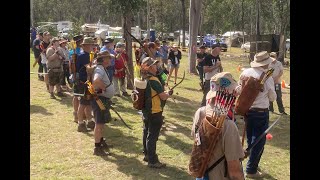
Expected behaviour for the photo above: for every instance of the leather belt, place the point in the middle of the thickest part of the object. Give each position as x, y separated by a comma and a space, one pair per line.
259, 109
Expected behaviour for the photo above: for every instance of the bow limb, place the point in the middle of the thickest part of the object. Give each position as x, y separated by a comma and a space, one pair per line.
146, 49
112, 108
184, 73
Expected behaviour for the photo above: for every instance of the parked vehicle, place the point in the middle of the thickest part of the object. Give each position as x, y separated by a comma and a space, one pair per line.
246, 47
209, 40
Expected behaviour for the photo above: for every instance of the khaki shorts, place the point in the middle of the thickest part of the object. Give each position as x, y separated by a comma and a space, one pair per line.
55, 77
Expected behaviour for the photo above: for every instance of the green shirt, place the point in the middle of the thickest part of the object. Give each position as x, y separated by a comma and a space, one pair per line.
155, 104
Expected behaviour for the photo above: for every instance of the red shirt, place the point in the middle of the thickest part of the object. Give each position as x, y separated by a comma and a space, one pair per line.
119, 65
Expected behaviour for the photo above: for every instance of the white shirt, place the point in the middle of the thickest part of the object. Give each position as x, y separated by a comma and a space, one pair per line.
277, 68
268, 94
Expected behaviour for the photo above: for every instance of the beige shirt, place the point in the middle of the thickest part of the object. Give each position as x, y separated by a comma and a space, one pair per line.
268, 94
229, 145
277, 65
54, 63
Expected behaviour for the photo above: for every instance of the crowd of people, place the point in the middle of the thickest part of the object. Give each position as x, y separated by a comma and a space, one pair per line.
72, 66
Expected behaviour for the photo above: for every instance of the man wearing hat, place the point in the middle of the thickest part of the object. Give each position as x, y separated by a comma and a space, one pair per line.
84, 109
109, 46
155, 98
276, 75
54, 65
257, 118
120, 70
105, 89
229, 144
211, 66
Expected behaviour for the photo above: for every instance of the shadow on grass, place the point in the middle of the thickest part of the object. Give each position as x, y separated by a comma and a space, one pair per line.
39, 109
280, 132
193, 89
176, 143
138, 170
67, 100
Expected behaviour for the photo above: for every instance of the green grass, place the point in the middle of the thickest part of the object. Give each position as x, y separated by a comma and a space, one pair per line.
58, 151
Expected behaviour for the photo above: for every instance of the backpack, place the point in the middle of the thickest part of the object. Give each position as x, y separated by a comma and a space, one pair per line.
138, 95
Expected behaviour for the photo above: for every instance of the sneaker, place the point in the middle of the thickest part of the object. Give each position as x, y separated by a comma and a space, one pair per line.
157, 165
98, 151
52, 96
125, 94
91, 124
41, 78
258, 174
82, 128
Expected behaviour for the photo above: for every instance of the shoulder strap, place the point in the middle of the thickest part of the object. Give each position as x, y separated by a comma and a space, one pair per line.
215, 164
262, 75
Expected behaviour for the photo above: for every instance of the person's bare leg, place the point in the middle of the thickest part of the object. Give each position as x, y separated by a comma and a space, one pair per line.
175, 74
46, 80
88, 113
81, 113
170, 73
98, 131
75, 103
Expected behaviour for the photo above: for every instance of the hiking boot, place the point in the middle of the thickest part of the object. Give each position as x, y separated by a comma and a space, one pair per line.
125, 94
82, 128
60, 94
41, 78
145, 158
157, 165
256, 175
106, 146
98, 151
52, 96
91, 124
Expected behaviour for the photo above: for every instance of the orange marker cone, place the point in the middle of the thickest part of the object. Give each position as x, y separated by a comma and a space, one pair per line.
239, 68
283, 84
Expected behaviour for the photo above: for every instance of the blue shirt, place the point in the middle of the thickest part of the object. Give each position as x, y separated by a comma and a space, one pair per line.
164, 52
82, 60
78, 52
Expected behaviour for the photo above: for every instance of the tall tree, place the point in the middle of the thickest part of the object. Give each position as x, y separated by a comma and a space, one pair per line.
183, 23
126, 8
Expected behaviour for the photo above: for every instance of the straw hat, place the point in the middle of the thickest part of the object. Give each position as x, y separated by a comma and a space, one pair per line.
149, 61
261, 59
88, 41
174, 46
104, 54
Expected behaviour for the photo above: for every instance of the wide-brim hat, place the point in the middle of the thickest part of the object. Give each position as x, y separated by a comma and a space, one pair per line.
149, 61
88, 41
174, 46
221, 80
109, 40
104, 54
63, 41
261, 59
54, 40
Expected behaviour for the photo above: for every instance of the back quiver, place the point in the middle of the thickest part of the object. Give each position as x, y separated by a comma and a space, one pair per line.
139, 93
249, 93
208, 135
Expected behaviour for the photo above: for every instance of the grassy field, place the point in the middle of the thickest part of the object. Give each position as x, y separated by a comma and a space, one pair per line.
58, 151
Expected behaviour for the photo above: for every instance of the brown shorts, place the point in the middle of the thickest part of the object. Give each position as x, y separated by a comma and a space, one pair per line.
55, 77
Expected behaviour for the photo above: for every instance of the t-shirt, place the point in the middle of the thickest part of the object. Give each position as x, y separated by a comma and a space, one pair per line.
100, 72
155, 104
82, 60
164, 51
78, 52
210, 60
201, 56
228, 144
277, 68
54, 63
36, 51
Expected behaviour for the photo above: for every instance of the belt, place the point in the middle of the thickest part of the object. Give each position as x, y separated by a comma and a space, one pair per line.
259, 109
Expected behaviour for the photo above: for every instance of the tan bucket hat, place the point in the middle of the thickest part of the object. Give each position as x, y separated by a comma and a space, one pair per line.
261, 59
89, 41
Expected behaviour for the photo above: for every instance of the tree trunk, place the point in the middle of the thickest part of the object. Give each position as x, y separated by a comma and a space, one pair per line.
258, 38
127, 26
183, 23
242, 20
194, 18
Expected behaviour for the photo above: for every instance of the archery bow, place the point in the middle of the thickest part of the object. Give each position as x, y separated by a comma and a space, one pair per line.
146, 49
247, 151
100, 103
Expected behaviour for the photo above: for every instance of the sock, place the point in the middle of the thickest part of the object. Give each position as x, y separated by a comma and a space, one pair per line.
101, 139
97, 144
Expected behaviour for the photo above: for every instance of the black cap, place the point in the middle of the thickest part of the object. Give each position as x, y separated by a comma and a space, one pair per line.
215, 45
41, 34
202, 47
78, 38
109, 40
